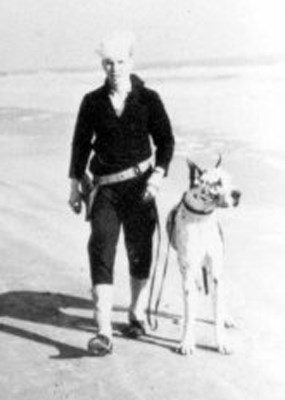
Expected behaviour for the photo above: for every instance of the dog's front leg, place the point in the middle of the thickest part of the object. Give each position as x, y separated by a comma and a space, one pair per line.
187, 344
219, 315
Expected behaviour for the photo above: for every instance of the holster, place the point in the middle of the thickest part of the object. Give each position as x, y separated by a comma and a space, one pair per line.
89, 190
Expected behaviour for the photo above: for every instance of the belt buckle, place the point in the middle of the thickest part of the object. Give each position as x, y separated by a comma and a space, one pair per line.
137, 170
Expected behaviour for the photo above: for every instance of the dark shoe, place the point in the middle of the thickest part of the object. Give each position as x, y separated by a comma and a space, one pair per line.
135, 329
100, 345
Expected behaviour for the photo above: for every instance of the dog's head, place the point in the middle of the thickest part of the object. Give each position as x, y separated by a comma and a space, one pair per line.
212, 187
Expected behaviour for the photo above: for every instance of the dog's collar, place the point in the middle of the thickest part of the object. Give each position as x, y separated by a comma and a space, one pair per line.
194, 210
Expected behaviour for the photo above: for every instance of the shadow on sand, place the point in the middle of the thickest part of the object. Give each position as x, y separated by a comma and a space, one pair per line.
45, 308
48, 308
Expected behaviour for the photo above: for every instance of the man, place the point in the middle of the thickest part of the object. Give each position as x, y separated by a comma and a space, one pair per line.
117, 125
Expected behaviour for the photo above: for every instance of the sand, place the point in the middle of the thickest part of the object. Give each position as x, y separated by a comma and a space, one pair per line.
46, 310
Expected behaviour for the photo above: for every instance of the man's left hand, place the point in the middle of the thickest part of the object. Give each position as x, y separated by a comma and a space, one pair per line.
153, 184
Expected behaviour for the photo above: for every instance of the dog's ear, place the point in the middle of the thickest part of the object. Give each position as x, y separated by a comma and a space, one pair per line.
195, 172
219, 162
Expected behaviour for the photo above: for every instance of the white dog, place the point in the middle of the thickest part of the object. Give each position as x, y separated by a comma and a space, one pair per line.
195, 233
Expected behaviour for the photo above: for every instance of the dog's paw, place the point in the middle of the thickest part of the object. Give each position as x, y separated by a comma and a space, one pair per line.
186, 349
224, 349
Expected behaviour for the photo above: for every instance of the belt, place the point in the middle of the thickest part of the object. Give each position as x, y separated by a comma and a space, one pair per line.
126, 174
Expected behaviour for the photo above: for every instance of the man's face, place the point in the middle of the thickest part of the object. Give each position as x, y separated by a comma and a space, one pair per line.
117, 66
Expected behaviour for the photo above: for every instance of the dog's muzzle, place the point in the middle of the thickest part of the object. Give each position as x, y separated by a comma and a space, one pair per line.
229, 200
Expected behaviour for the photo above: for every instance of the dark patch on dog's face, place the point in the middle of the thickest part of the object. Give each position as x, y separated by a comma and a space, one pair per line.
194, 174
207, 188
236, 195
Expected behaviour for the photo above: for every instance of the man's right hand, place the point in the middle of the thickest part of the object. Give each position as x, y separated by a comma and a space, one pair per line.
75, 198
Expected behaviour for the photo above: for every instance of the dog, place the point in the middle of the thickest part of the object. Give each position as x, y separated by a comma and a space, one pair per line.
195, 232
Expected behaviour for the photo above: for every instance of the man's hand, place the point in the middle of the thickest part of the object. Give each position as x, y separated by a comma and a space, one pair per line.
153, 184
75, 198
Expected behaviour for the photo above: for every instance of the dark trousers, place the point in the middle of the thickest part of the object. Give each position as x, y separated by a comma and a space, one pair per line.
121, 205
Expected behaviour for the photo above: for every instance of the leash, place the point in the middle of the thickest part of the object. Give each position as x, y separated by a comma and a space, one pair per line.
159, 296
154, 325
154, 275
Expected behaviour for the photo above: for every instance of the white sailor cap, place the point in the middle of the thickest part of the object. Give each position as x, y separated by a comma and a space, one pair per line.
119, 44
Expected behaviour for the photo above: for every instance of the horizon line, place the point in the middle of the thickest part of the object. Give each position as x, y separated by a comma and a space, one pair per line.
197, 62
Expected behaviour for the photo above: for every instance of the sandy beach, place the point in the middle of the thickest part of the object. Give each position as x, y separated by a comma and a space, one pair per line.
45, 303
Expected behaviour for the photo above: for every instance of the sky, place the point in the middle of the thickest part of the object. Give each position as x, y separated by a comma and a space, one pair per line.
40, 34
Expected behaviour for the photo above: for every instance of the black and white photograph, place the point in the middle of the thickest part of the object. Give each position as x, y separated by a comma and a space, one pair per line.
142, 186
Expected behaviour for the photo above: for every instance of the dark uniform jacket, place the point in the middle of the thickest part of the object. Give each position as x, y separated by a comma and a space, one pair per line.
117, 143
